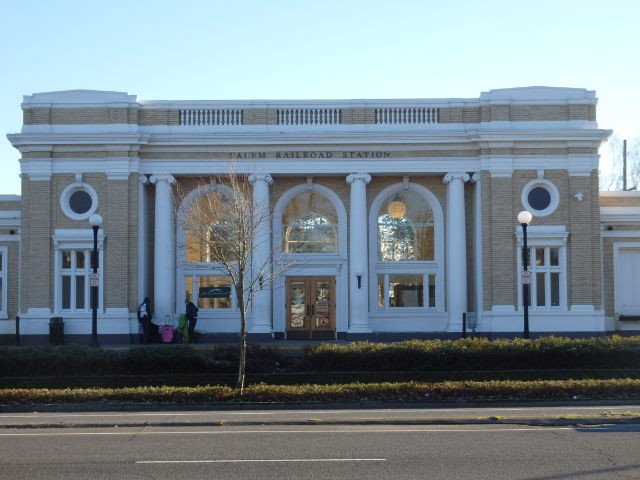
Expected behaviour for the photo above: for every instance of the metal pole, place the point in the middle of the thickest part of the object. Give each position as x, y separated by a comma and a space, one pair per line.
94, 290
525, 281
464, 325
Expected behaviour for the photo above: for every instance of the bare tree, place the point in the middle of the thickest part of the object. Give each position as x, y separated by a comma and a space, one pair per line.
613, 179
223, 227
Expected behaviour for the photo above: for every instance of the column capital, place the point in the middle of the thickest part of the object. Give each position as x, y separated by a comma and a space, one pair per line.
352, 177
163, 178
475, 178
257, 177
143, 179
451, 176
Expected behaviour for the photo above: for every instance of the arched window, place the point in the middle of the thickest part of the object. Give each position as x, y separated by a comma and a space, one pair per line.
209, 225
406, 244
310, 225
206, 232
405, 228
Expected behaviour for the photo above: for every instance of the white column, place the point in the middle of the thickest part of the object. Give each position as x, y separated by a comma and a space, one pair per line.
358, 256
163, 243
261, 259
143, 181
456, 252
477, 252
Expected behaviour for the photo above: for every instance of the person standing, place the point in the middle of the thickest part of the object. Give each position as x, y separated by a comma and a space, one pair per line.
144, 317
192, 318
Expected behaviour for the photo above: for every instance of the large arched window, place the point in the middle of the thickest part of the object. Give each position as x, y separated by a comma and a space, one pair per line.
405, 228
206, 232
207, 222
406, 235
310, 225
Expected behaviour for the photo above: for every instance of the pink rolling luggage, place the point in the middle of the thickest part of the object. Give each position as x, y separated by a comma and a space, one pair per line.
167, 333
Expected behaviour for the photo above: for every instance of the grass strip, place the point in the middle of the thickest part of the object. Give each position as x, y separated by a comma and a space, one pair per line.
626, 388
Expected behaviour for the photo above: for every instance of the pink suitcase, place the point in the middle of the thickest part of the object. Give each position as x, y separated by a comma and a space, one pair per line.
167, 334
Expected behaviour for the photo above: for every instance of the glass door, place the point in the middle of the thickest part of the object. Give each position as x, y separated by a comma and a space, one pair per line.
311, 308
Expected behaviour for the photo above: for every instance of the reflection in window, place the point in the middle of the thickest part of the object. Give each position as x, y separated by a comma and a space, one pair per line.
310, 225
74, 286
546, 277
405, 228
211, 291
207, 236
403, 291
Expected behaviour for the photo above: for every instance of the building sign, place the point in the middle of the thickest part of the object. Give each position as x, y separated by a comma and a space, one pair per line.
308, 154
214, 292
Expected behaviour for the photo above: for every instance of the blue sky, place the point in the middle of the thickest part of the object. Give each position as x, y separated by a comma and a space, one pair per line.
325, 49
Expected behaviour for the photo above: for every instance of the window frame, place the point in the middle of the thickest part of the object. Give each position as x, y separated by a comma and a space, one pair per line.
546, 238
77, 240
197, 269
426, 268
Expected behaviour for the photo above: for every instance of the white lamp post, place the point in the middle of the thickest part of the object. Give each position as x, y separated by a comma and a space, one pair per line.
524, 218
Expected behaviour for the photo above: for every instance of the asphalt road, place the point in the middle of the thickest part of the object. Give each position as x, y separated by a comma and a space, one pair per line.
510, 442
322, 452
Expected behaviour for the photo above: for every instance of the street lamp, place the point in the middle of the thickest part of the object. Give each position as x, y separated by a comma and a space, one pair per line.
95, 221
524, 218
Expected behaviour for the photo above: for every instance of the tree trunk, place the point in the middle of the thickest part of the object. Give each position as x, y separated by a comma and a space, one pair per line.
242, 363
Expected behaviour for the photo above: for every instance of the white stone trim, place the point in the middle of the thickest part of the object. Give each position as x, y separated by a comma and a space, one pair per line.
550, 187
65, 197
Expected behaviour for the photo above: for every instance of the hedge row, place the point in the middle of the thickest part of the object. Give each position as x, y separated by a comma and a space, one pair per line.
471, 354
73, 360
476, 354
352, 392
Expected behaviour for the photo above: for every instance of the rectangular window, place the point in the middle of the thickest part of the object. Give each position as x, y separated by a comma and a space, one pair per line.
547, 277
74, 287
210, 291
406, 291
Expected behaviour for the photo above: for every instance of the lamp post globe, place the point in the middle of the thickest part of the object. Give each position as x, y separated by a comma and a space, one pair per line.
524, 219
95, 221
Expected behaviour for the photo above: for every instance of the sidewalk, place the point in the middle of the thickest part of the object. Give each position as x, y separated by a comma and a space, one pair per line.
105, 416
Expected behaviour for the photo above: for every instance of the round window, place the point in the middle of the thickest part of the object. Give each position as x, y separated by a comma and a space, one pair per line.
79, 201
540, 197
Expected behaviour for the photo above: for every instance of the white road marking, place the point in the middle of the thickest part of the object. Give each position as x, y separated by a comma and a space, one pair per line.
128, 431
268, 460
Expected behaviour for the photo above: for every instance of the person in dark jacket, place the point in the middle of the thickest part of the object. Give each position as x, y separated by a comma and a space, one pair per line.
144, 317
192, 318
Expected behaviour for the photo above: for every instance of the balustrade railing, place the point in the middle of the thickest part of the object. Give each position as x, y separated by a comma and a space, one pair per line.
197, 117
407, 115
309, 116
403, 115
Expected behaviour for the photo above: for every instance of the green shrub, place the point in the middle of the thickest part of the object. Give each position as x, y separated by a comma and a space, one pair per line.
351, 392
74, 360
476, 354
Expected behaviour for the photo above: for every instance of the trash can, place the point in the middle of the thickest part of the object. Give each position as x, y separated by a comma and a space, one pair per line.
56, 331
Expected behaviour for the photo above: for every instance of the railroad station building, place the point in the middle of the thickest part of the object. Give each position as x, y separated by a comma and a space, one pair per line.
388, 219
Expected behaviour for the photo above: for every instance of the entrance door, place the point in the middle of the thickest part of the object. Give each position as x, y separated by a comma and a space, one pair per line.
311, 308
627, 282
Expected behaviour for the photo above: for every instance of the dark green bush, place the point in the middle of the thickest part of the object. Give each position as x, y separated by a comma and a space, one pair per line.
72, 360
464, 355
476, 354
